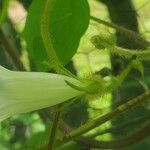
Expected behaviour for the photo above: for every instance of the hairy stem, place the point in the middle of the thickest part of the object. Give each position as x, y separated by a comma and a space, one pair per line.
119, 143
104, 41
91, 143
102, 119
121, 77
141, 55
117, 128
54, 129
128, 33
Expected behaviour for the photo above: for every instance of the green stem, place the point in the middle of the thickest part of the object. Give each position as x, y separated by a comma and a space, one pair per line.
54, 129
104, 41
140, 54
121, 77
98, 121
128, 33
116, 129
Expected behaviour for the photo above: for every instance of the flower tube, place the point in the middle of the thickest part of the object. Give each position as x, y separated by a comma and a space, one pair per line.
22, 92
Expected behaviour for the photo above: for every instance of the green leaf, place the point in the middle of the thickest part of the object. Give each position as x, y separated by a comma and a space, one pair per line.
69, 20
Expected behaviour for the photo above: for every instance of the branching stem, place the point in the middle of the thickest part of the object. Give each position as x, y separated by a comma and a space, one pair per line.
103, 41
118, 128
128, 33
102, 119
119, 143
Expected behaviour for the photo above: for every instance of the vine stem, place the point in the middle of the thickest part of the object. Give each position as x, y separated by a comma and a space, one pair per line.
11, 52
128, 33
119, 143
102, 119
54, 129
101, 41
121, 77
91, 143
141, 55
117, 128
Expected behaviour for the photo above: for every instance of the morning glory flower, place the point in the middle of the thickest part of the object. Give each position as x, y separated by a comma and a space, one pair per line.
22, 92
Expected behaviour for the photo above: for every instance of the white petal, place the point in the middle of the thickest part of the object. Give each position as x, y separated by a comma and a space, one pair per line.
27, 91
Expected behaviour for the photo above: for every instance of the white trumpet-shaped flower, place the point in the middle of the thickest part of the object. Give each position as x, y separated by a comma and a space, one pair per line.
22, 92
